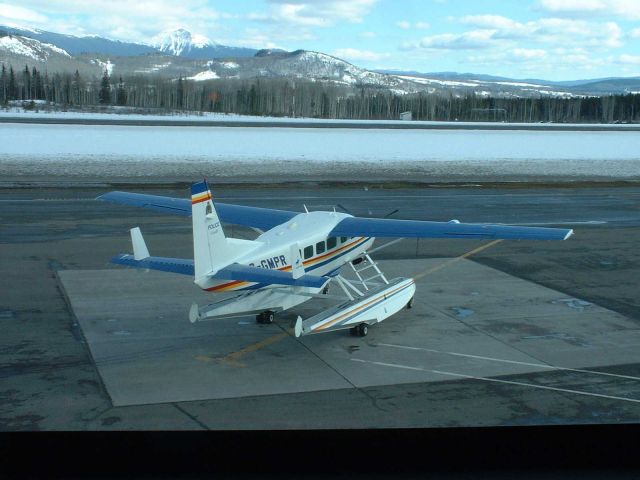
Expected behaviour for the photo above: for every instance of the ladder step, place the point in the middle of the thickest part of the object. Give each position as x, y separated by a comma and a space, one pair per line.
371, 265
368, 263
377, 275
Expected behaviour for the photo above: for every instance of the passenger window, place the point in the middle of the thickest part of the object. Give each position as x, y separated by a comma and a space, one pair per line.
319, 248
343, 239
331, 242
308, 252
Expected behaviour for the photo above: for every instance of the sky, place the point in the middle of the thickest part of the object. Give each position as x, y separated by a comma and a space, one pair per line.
548, 39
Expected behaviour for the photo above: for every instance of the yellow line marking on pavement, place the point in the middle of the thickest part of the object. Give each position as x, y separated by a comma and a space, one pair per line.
211, 359
457, 259
233, 358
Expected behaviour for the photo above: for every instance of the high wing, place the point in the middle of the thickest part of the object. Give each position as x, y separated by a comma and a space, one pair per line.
234, 271
263, 218
379, 227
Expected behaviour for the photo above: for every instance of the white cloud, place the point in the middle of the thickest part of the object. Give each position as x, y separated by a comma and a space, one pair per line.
529, 53
627, 9
13, 14
368, 34
290, 14
272, 38
314, 13
635, 33
629, 59
475, 39
491, 21
120, 19
405, 25
355, 54
558, 31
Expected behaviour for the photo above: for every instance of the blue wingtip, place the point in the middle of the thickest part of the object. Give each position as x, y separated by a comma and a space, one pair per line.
199, 187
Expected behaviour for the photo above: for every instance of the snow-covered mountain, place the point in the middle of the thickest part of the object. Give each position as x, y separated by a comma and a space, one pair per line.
28, 47
178, 42
486, 85
183, 43
314, 66
175, 42
77, 45
180, 53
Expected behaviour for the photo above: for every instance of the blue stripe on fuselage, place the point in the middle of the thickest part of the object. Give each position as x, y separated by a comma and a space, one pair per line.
332, 273
329, 260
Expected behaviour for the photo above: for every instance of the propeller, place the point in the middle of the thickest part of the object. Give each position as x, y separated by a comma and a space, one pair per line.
369, 212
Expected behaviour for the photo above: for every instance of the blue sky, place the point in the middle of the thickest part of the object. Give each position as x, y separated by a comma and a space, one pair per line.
550, 39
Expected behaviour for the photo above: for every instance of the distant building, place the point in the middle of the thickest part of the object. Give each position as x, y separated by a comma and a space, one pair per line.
406, 116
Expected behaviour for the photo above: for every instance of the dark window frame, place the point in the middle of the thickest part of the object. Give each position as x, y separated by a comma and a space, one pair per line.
308, 252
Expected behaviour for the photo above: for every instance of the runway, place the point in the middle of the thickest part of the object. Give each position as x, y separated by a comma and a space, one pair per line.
561, 348
168, 121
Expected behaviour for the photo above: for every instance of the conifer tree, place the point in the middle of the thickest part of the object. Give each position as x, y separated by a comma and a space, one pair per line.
121, 94
11, 89
104, 96
75, 85
3, 85
179, 93
26, 86
35, 84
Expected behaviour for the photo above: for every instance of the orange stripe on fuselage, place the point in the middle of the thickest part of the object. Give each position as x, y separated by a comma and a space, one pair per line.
335, 252
229, 286
241, 283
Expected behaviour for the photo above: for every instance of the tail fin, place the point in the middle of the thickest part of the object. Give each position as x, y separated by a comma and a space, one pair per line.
140, 250
212, 250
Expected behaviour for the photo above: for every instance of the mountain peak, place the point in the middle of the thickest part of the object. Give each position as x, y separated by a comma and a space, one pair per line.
180, 40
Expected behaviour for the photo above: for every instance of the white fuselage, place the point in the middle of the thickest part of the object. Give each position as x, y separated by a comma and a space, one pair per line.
308, 233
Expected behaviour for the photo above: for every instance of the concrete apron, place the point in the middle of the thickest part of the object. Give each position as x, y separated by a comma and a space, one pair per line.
467, 321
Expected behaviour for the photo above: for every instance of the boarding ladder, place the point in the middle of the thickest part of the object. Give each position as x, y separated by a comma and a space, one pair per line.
365, 265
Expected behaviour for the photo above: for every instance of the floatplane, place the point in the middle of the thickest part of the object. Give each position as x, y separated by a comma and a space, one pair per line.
295, 258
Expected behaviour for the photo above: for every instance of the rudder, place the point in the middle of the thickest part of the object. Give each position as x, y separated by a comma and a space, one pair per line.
212, 250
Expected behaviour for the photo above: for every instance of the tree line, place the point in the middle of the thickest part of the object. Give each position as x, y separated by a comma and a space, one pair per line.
300, 98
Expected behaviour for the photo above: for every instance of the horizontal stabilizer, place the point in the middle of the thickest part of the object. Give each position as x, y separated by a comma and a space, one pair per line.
164, 264
262, 218
379, 227
231, 272
271, 277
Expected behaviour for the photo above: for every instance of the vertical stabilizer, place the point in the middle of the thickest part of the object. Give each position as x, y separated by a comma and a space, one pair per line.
212, 250
140, 250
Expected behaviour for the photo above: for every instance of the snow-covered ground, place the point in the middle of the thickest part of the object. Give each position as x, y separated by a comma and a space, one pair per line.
17, 112
275, 154
206, 75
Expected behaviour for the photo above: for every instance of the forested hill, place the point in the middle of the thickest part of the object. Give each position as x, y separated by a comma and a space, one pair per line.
300, 98
279, 83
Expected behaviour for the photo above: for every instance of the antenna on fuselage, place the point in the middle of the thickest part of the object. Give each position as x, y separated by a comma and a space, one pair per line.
305, 208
